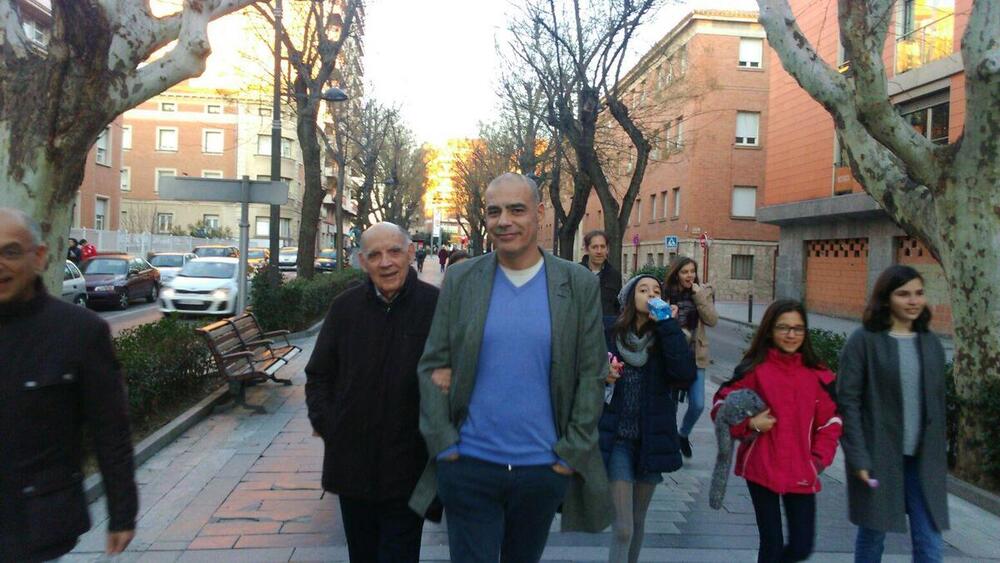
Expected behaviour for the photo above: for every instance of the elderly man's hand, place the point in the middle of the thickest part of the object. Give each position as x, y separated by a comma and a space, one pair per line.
442, 378
118, 541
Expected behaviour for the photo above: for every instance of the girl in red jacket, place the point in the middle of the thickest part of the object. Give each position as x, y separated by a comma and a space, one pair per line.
784, 448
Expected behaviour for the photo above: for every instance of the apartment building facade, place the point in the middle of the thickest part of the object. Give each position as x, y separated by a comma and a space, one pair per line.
835, 239
702, 90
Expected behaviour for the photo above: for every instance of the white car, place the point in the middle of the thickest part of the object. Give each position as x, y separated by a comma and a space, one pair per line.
204, 286
170, 263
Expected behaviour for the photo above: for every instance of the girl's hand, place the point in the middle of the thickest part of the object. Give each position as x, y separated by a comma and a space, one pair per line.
614, 370
763, 422
696, 287
674, 311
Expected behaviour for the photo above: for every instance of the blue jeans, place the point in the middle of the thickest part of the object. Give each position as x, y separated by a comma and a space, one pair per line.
926, 538
497, 512
696, 404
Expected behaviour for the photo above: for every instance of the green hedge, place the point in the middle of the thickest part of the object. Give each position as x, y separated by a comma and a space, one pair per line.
297, 304
659, 272
165, 364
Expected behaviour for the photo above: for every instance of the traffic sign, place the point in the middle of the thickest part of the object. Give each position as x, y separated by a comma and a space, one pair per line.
635, 239
670, 243
705, 241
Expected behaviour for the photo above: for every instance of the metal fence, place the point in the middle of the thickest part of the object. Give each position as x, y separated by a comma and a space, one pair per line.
140, 244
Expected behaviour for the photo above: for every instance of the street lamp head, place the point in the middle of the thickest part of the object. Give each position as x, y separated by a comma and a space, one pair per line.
334, 95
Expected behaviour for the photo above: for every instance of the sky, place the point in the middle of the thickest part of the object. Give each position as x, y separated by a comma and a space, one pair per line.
437, 61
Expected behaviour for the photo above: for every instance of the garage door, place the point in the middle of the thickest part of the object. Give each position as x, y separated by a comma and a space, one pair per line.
837, 276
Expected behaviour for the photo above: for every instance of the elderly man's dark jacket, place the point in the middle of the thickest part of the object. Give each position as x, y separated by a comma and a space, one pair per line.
362, 390
58, 372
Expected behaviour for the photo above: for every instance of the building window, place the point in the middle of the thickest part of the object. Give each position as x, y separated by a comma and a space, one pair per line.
126, 137
666, 204
744, 201
638, 211
212, 141
742, 267
751, 52
168, 106
126, 178
264, 146
652, 207
264, 112
286, 147
679, 137
677, 202
930, 121
285, 228
659, 259
213, 108
747, 128
211, 221
103, 145
925, 32
166, 139
211, 173
101, 213
164, 222
162, 173
36, 32
262, 227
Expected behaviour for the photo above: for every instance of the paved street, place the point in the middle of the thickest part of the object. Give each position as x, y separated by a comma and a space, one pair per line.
238, 487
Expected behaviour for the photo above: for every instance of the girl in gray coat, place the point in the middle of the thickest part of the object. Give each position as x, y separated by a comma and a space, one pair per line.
891, 394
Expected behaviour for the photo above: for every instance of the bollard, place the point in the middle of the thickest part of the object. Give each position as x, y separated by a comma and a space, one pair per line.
750, 310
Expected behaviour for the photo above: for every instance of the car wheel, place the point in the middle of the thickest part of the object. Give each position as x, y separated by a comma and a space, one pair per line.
154, 292
81, 300
123, 300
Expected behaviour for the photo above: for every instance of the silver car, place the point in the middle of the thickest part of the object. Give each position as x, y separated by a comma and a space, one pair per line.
74, 287
170, 263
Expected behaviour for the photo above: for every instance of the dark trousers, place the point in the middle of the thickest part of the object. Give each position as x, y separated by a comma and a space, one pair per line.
381, 532
800, 513
497, 512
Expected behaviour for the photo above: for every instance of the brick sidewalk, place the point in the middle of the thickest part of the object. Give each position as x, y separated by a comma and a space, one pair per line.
238, 487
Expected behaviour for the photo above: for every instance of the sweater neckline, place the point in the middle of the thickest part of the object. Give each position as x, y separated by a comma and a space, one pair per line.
29, 307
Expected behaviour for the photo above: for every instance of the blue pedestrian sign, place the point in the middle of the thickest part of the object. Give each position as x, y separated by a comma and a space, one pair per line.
670, 243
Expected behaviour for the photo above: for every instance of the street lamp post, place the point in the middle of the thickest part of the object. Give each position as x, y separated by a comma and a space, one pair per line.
338, 95
274, 223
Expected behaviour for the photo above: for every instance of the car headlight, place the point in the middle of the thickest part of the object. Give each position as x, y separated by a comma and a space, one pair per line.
167, 293
102, 288
221, 293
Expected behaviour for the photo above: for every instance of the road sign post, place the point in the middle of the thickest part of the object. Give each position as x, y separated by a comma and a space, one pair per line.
244, 192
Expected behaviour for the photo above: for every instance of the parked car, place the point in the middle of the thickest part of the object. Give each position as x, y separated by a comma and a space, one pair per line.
169, 263
288, 258
216, 250
326, 261
74, 287
117, 279
205, 286
257, 258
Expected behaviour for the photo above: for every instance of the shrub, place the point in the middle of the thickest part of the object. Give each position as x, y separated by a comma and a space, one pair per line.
165, 363
296, 304
828, 345
659, 272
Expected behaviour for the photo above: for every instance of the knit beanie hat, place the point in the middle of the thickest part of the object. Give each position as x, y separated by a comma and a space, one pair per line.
626, 292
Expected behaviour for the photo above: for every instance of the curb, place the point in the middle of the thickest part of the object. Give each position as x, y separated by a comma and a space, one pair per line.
311, 331
93, 486
974, 495
736, 322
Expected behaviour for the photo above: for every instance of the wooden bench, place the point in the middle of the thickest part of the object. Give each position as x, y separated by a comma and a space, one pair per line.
235, 363
263, 344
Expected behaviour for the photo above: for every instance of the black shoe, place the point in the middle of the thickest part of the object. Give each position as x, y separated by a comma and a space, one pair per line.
685, 447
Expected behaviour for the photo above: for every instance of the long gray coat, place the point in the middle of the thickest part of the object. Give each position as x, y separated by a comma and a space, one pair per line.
871, 403
579, 366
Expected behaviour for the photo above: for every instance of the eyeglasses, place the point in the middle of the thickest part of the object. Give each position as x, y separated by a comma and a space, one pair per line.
786, 330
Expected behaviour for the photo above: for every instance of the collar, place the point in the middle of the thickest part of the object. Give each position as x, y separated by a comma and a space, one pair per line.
781, 358
29, 307
374, 293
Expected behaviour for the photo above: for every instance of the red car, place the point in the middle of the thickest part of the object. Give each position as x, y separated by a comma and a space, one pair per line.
116, 279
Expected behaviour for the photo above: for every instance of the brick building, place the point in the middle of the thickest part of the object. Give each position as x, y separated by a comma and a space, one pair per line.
702, 91
835, 239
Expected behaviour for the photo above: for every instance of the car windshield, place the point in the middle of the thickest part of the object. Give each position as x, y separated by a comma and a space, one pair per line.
328, 254
106, 266
255, 254
218, 270
290, 255
167, 261
212, 251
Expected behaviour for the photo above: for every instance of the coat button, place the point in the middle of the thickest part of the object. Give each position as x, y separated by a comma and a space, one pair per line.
69, 377
31, 384
28, 490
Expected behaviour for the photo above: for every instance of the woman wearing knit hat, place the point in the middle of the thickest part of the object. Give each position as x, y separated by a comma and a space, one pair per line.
650, 360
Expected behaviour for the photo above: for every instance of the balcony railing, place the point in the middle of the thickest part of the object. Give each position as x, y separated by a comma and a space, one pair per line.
926, 44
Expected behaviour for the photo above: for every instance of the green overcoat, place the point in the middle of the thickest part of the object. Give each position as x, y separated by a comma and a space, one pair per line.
579, 367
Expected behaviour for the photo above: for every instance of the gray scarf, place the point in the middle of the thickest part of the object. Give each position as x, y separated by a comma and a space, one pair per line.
635, 349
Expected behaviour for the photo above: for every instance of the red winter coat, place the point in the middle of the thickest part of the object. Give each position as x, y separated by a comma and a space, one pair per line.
803, 441
88, 251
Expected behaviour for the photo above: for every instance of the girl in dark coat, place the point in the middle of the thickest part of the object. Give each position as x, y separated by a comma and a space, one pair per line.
891, 391
638, 428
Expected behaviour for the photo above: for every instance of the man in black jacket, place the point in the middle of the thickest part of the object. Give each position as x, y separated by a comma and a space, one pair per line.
57, 372
364, 399
596, 260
